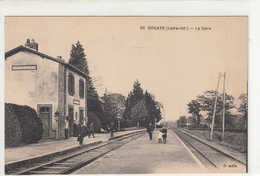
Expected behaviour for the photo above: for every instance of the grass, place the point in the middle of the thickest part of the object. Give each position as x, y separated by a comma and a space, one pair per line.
234, 140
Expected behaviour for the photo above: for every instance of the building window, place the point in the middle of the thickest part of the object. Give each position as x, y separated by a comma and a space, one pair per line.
81, 88
44, 109
71, 113
71, 85
81, 117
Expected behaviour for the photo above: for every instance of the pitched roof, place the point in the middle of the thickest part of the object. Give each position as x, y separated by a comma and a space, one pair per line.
24, 48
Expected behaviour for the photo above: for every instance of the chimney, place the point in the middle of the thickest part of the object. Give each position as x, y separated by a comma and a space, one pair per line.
32, 45
60, 58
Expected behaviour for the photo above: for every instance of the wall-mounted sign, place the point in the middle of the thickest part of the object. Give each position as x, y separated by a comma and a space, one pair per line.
76, 102
24, 67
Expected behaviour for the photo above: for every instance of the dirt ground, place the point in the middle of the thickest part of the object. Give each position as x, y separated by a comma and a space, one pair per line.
144, 156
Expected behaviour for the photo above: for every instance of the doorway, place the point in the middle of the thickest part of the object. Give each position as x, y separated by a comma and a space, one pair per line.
44, 112
71, 120
81, 116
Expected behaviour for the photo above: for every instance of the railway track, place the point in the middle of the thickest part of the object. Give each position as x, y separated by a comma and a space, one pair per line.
76, 160
208, 155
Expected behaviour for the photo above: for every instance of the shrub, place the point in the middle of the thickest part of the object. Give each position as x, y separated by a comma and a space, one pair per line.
30, 124
217, 136
235, 140
92, 118
127, 123
159, 126
13, 134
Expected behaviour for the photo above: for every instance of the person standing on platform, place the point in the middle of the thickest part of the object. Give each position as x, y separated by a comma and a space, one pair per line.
85, 131
111, 129
66, 131
80, 137
75, 130
164, 132
160, 136
150, 131
91, 130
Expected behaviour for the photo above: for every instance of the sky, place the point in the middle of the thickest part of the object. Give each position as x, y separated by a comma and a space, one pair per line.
174, 65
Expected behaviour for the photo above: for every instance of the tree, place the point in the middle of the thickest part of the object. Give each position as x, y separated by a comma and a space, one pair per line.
137, 93
92, 118
243, 108
133, 98
206, 102
78, 59
113, 104
127, 112
95, 105
191, 120
118, 101
194, 108
153, 108
139, 112
183, 120
109, 110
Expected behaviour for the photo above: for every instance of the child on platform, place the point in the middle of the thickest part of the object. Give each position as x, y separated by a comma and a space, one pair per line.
160, 136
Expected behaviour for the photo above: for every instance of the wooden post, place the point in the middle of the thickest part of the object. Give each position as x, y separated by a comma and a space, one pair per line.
214, 111
118, 126
154, 124
224, 99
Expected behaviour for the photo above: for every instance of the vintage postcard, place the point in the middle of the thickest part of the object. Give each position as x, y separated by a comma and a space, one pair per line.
126, 95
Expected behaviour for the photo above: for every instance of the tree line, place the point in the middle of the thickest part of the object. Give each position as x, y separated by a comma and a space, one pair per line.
138, 108
142, 107
203, 106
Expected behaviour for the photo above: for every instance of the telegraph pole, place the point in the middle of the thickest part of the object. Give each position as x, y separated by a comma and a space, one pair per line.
154, 124
224, 100
214, 111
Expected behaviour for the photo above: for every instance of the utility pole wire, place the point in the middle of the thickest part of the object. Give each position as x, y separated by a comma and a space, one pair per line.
224, 99
214, 111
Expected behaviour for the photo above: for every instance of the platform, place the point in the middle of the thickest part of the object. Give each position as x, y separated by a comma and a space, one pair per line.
48, 147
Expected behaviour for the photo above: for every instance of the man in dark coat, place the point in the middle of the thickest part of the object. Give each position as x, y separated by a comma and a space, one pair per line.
85, 131
111, 129
91, 130
150, 131
81, 135
75, 130
164, 132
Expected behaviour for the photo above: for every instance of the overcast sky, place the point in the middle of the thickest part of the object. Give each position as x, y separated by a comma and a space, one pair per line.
174, 65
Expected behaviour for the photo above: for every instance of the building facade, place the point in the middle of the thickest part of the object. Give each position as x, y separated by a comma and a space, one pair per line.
54, 88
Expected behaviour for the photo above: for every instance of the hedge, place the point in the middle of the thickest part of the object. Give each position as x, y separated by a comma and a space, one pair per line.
127, 123
30, 124
235, 140
236, 130
13, 133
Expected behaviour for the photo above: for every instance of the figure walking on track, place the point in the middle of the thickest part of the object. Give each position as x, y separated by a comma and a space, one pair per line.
150, 131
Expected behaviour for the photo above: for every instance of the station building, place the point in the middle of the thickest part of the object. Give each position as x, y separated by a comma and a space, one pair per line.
54, 88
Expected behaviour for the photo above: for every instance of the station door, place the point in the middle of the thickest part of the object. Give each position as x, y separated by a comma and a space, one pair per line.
45, 116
